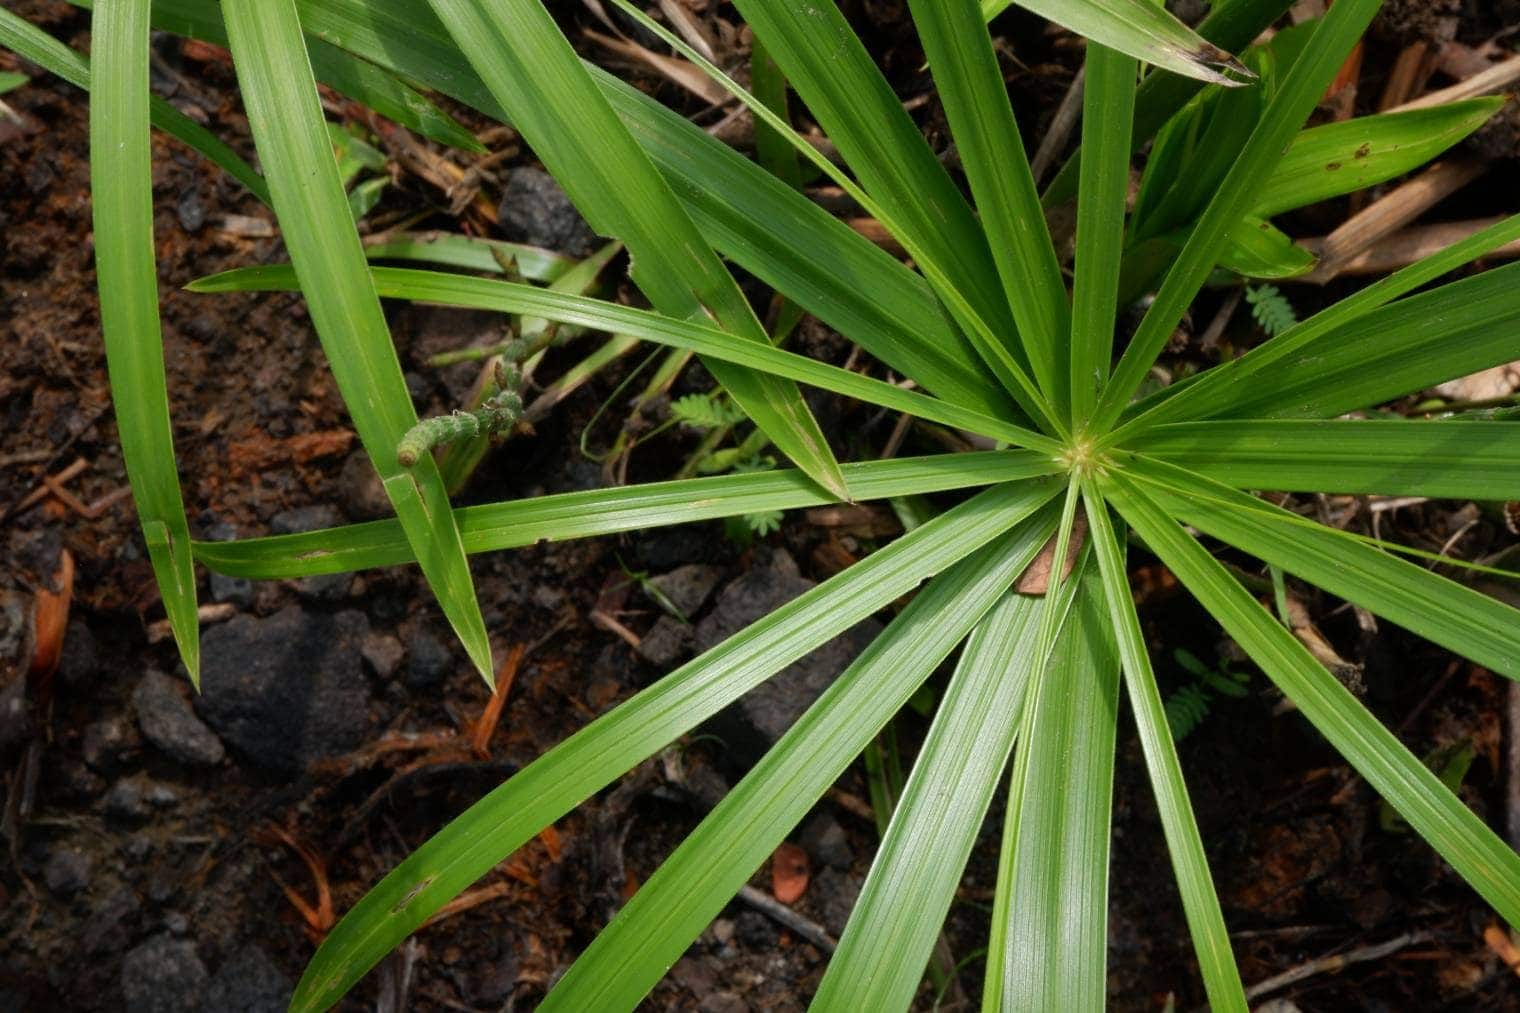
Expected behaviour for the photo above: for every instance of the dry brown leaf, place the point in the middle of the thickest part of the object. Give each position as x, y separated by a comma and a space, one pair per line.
789, 873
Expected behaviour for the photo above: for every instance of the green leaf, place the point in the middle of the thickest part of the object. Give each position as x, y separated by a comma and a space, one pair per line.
720, 346
607, 511
772, 149
1057, 943
470, 253
558, 109
997, 351
24, 38
553, 784
1474, 850
1440, 610
286, 118
1218, 389
1300, 91
1108, 107
1339, 158
1406, 346
890, 935
970, 85
359, 80
749, 215
1199, 146
1389, 456
652, 931
1258, 249
1211, 940
10, 81
846, 281
834, 75
121, 192
1230, 26
1140, 28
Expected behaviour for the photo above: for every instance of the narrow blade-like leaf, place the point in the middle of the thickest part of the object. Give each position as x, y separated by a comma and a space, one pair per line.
1217, 389
1474, 850
702, 875
902, 906
1305, 83
1142, 29
749, 215
1230, 26
1389, 456
716, 345
970, 85
1108, 106
121, 190
550, 786
1057, 942
1339, 158
1211, 940
532, 71
1404, 347
286, 119
1440, 610
607, 511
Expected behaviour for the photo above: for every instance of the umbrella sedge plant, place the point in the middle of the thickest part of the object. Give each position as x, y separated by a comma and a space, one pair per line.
996, 344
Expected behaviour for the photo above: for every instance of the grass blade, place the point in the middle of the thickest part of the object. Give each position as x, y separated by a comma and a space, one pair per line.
560, 779
607, 511
891, 932
357, 79
1458, 618
1295, 99
1406, 346
750, 216
533, 72
1230, 26
1474, 850
713, 862
1441, 460
1108, 106
1339, 158
470, 253
22, 37
121, 189
713, 344
286, 119
1218, 389
1211, 941
1057, 942
846, 281
1139, 28
834, 75
997, 352
970, 85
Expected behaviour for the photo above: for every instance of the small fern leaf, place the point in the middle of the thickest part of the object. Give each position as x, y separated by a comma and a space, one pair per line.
704, 411
1271, 309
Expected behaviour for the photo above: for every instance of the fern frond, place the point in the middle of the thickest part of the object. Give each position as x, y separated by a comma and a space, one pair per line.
1271, 309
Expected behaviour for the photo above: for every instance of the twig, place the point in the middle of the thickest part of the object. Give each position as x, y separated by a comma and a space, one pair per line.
1512, 766
1335, 963
1061, 126
1392, 212
779, 912
480, 731
1404, 248
1499, 76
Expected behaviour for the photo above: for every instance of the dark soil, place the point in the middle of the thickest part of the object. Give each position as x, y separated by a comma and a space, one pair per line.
156, 842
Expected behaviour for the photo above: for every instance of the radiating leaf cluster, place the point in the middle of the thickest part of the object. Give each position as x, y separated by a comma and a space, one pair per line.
991, 342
